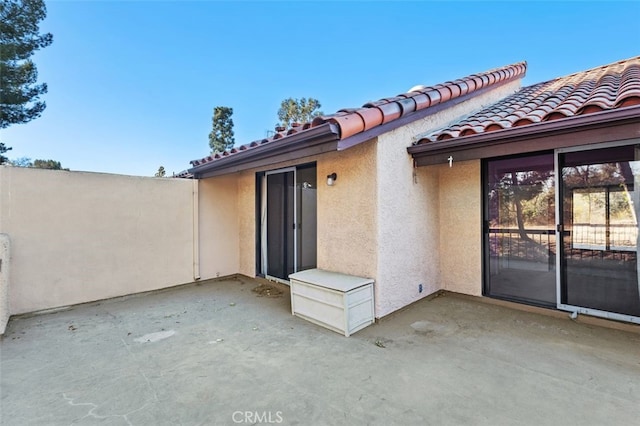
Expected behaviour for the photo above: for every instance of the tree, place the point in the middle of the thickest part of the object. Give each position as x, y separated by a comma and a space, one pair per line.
298, 111
4, 149
21, 162
19, 38
221, 136
160, 172
517, 188
47, 164
36, 164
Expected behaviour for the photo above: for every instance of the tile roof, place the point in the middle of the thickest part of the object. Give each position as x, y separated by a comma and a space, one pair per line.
607, 87
353, 121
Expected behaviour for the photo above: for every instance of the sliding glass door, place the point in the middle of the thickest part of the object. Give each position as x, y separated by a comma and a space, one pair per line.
288, 221
599, 225
561, 229
520, 240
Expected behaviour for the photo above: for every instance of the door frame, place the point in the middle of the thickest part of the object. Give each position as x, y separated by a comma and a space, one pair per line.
560, 241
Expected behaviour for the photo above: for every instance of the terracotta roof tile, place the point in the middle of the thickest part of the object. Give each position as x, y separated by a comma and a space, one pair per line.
606, 87
352, 121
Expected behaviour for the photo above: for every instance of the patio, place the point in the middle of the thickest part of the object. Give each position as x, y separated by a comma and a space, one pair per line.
218, 352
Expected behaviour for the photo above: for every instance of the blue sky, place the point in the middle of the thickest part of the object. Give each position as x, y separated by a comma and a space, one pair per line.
132, 85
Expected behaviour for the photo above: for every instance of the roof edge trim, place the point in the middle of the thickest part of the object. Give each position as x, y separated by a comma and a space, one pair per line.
515, 134
327, 132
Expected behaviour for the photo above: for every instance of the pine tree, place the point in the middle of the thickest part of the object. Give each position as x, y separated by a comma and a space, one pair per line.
19, 38
221, 136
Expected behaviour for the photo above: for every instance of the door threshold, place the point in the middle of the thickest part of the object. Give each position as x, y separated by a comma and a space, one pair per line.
556, 313
277, 280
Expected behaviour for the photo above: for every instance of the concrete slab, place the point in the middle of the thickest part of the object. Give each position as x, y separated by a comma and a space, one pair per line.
219, 353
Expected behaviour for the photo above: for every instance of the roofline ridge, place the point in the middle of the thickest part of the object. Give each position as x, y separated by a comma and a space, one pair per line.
621, 61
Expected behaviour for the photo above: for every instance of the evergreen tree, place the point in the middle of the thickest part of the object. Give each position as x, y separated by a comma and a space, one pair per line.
221, 136
4, 149
19, 38
298, 111
160, 172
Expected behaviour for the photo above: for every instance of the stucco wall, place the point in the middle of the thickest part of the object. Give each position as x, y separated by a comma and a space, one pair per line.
461, 227
346, 211
409, 217
78, 237
347, 217
218, 227
247, 222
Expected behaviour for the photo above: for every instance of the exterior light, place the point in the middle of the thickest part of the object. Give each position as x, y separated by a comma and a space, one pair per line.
331, 179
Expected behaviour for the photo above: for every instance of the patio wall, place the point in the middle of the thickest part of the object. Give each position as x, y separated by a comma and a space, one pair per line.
78, 237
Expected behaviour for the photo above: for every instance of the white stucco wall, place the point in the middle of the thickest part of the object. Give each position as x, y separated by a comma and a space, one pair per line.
78, 237
409, 217
218, 227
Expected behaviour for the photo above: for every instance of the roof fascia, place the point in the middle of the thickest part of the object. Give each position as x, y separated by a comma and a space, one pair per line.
291, 147
599, 127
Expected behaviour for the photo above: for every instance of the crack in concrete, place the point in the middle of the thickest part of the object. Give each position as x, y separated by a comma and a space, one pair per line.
91, 413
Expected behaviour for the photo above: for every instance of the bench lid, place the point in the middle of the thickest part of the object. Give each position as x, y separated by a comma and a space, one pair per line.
331, 280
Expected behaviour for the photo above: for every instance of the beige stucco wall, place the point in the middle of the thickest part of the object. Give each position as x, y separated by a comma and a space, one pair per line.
78, 237
247, 222
460, 195
218, 227
347, 216
346, 211
410, 216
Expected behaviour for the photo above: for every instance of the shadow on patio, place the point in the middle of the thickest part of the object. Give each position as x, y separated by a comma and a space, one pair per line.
219, 353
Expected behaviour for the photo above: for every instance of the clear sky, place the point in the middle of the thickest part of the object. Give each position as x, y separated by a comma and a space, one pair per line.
132, 84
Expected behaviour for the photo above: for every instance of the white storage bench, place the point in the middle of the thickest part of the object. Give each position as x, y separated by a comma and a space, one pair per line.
339, 302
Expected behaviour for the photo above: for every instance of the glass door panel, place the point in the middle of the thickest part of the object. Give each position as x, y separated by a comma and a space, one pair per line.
600, 229
520, 236
307, 217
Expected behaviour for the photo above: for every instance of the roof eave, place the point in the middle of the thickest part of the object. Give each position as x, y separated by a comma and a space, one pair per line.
269, 153
430, 153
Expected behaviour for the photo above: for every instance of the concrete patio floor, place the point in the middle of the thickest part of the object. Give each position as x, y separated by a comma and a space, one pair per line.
219, 353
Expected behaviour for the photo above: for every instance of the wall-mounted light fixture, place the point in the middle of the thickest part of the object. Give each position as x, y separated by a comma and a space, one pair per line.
331, 179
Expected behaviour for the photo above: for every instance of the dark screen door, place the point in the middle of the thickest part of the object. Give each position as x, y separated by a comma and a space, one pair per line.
280, 231
519, 230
